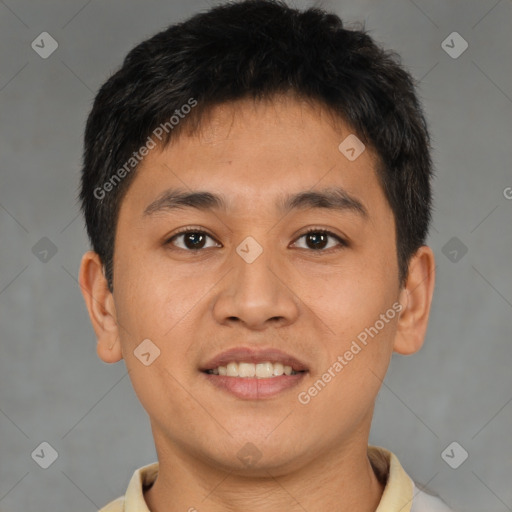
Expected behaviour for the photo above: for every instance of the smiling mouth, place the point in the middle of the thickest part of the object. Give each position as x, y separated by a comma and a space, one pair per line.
263, 370
254, 374
254, 381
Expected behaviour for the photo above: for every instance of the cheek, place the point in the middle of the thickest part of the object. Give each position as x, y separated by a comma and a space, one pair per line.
163, 307
354, 303
356, 365
158, 390
358, 309
155, 296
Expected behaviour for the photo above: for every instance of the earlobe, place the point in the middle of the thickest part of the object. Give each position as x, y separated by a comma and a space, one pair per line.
109, 353
101, 307
416, 299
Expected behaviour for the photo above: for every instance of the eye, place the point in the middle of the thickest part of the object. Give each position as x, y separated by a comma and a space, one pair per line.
193, 239
318, 239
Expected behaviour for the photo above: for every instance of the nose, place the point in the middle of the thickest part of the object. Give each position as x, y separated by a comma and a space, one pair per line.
257, 294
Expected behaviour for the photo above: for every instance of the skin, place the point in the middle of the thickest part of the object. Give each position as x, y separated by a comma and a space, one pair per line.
309, 302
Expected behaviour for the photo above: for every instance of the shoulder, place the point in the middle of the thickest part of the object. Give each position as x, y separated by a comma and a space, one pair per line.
114, 506
400, 491
133, 499
423, 502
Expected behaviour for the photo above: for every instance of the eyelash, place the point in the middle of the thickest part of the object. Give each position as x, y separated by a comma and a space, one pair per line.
342, 243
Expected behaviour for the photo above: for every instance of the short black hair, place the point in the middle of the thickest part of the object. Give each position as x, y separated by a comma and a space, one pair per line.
257, 49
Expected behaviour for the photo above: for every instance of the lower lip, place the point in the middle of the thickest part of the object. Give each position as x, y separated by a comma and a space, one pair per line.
251, 388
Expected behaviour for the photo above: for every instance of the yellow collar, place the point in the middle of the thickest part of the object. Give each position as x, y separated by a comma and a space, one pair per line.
397, 496
399, 488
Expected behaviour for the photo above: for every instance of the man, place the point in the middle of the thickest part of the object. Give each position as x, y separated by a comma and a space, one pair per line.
256, 188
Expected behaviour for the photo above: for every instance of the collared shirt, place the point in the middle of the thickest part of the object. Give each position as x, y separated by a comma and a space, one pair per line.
400, 492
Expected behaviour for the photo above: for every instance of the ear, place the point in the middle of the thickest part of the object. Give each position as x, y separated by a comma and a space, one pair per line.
101, 307
415, 298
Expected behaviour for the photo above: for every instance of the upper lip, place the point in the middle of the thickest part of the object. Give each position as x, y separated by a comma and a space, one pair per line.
254, 355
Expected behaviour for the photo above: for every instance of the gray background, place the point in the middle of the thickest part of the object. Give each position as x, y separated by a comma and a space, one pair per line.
54, 388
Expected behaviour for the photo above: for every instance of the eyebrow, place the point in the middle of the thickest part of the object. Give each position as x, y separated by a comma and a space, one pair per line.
332, 198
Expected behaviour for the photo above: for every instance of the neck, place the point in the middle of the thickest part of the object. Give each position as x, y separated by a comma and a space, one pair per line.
340, 479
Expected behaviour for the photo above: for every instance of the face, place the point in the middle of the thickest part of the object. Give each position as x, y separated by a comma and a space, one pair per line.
269, 272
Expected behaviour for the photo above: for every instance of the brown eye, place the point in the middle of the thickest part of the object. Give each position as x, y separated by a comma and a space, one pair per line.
192, 240
318, 239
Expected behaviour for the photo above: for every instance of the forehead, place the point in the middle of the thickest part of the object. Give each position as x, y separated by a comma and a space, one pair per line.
253, 151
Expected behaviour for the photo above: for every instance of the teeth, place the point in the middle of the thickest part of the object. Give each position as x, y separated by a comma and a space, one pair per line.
278, 369
259, 370
264, 370
246, 370
232, 370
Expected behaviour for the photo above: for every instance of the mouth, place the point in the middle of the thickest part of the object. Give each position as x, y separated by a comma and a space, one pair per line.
254, 374
246, 370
